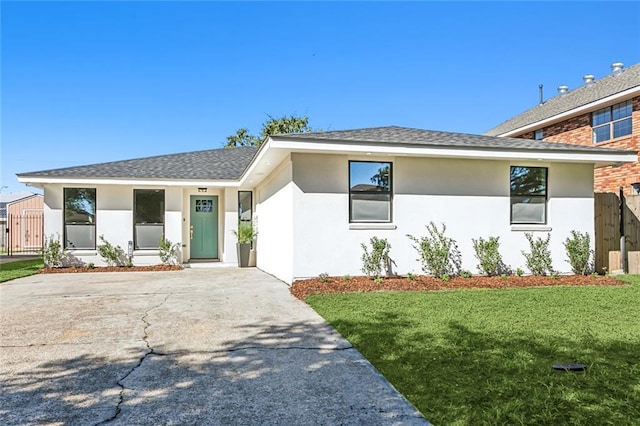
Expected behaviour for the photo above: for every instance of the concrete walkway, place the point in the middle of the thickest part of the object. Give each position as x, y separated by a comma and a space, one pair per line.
200, 346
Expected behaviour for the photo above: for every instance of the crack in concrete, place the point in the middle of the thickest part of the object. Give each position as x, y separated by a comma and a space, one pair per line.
150, 351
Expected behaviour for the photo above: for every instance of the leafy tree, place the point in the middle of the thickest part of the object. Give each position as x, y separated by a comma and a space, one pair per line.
273, 126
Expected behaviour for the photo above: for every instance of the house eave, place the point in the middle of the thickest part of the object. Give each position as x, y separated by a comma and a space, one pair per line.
592, 106
39, 181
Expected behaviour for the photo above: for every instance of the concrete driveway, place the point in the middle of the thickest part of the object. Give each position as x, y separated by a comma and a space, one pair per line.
200, 346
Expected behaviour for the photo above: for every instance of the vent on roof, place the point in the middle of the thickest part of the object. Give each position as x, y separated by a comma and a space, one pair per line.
616, 68
563, 89
588, 79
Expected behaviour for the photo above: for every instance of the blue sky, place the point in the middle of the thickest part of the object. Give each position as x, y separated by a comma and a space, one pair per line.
87, 82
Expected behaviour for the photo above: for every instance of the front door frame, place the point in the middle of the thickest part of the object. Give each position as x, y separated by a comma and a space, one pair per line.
195, 230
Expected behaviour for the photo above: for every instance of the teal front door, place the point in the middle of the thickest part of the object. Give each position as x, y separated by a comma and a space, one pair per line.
204, 227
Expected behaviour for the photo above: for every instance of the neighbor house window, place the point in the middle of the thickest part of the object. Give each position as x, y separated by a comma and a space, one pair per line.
612, 122
538, 135
369, 191
80, 218
528, 194
245, 205
148, 213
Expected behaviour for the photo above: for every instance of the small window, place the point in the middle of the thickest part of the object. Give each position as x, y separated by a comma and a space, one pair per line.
539, 135
369, 191
528, 194
80, 218
148, 213
245, 206
612, 122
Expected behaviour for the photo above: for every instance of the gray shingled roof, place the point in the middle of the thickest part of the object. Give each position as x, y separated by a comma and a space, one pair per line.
583, 95
213, 164
408, 136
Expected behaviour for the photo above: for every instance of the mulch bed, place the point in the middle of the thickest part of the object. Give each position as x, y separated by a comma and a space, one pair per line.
78, 269
305, 288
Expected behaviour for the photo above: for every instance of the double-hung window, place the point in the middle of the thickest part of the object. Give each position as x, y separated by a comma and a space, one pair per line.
612, 122
370, 191
148, 213
528, 195
80, 218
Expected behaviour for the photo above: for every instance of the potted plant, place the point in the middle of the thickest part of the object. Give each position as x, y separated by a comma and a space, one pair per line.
246, 235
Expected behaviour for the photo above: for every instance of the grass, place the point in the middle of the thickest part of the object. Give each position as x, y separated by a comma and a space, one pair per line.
19, 269
484, 356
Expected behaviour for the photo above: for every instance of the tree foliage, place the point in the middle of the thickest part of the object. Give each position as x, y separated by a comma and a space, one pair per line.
273, 126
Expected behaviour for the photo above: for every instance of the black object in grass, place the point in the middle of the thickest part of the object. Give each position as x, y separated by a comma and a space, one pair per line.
569, 367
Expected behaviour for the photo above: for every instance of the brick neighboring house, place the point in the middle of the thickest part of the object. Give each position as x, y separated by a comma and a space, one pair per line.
602, 112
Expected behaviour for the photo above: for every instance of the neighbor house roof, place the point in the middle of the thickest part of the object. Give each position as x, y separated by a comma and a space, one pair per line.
12, 197
584, 95
431, 138
213, 164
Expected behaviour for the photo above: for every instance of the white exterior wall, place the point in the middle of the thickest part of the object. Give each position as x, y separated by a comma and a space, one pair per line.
273, 219
470, 196
114, 219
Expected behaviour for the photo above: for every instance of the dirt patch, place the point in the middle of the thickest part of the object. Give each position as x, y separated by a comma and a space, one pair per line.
304, 288
79, 269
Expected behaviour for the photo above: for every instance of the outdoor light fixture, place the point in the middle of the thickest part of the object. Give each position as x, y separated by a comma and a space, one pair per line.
202, 189
636, 188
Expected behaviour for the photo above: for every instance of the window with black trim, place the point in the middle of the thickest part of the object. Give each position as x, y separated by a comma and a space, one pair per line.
528, 195
612, 122
370, 191
80, 218
245, 206
148, 218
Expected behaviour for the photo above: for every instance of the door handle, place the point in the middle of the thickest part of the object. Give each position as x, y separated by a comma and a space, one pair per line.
191, 232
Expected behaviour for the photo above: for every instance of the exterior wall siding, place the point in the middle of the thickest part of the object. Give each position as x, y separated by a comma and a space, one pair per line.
577, 131
470, 196
273, 220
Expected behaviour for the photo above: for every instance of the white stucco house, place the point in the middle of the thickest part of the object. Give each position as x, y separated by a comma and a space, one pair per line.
315, 197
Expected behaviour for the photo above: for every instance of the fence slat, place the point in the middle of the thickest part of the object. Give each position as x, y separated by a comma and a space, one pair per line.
25, 233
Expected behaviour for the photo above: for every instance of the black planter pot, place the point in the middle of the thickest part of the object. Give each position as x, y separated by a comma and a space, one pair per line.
243, 254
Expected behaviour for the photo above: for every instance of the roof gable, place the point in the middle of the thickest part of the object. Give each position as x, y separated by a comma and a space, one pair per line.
603, 88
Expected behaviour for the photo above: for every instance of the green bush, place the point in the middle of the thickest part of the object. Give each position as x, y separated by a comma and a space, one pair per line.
245, 233
538, 259
53, 252
439, 255
112, 255
378, 260
168, 252
488, 255
578, 248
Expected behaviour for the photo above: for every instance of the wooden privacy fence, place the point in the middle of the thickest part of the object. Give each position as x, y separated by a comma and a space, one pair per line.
24, 233
607, 227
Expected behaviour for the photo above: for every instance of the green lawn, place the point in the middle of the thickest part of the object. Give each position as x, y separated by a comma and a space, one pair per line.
19, 269
484, 356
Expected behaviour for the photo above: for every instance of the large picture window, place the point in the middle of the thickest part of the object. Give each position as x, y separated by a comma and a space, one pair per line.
369, 191
612, 122
528, 194
245, 206
148, 213
80, 218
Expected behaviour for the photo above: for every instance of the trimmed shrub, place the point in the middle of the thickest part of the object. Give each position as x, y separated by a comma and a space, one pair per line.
579, 253
53, 252
538, 259
168, 251
378, 260
439, 254
489, 257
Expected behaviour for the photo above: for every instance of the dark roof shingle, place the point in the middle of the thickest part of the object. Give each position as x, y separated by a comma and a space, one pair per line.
583, 95
213, 164
407, 136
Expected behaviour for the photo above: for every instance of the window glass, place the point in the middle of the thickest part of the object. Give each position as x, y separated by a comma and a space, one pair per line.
612, 122
539, 135
245, 204
148, 217
528, 194
80, 218
370, 191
